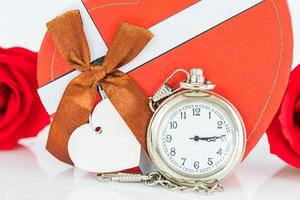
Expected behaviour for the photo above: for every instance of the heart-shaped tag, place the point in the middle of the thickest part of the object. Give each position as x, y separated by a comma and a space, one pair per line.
105, 144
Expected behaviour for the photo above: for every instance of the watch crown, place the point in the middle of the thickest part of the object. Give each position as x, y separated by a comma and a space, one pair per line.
196, 76
197, 81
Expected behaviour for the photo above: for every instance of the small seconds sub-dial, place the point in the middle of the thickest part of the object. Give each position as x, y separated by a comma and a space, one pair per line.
196, 138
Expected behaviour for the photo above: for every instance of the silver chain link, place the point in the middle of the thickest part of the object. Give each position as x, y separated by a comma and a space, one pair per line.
156, 178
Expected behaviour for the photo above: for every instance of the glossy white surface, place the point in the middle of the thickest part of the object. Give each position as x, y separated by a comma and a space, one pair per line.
30, 173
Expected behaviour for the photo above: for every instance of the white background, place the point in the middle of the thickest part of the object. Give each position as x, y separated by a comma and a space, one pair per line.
31, 173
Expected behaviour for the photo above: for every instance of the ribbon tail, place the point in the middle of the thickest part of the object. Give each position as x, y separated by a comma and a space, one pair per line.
73, 111
131, 102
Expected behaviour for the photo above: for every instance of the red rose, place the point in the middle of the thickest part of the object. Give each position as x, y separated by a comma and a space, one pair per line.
284, 131
21, 111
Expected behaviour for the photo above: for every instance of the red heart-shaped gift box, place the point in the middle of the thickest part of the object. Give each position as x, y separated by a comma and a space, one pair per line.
247, 53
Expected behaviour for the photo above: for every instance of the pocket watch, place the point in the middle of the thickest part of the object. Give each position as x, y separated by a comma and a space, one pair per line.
195, 139
195, 135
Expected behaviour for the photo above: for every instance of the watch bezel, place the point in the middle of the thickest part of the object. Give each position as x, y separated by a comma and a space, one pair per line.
177, 176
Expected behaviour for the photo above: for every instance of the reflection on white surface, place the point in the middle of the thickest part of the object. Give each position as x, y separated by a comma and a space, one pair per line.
30, 173
283, 184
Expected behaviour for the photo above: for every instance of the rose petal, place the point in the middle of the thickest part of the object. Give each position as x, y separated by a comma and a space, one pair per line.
4, 91
280, 146
294, 76
290, 129
20, 106
12, 104
284, 133
8, 144
297, 113
21, 96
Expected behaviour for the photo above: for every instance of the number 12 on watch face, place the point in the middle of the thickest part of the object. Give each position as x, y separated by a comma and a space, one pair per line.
196, 138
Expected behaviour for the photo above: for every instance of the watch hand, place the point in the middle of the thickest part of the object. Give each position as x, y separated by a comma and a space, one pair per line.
208, 139
214, 138
211, 139
197, 138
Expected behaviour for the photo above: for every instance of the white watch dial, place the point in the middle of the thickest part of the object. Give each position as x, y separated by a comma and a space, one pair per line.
196, 137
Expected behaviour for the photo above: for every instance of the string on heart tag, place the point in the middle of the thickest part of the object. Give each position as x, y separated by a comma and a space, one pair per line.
97, 127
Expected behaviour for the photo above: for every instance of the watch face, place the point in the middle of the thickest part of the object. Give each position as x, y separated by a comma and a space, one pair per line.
196, 137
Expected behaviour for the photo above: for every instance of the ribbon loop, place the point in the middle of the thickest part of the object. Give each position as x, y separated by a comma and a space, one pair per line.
79, 97
68, 35
129, 41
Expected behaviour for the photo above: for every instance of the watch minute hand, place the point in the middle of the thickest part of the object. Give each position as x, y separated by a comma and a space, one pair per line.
214, 138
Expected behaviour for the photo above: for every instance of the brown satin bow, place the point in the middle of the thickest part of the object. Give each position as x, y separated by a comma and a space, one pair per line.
78, 99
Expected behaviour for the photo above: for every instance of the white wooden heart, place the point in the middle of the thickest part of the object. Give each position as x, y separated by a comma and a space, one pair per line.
105, 144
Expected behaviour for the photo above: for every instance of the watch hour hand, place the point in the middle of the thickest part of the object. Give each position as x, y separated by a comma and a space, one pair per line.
197, 138
208, 139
